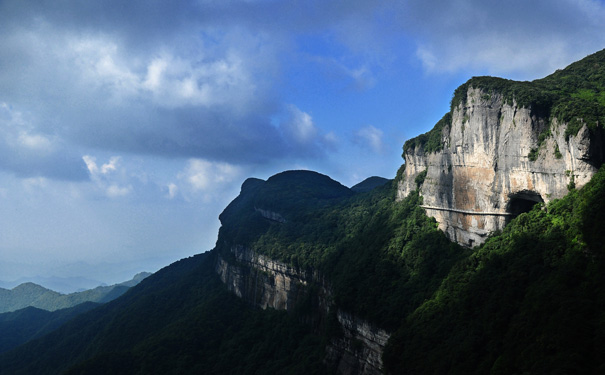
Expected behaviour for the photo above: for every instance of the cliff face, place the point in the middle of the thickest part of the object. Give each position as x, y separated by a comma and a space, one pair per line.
272, 284
492, 165
264, 282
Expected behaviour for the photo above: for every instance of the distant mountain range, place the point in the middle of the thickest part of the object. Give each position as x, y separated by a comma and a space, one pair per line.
63, 285
33, 295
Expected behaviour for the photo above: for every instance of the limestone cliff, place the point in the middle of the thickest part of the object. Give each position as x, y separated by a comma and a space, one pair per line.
272, 284
493, 158
265, 282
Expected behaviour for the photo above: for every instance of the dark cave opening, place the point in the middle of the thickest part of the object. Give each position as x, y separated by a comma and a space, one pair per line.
522, 202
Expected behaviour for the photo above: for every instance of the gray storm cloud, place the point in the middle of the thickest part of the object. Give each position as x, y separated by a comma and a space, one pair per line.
203, 79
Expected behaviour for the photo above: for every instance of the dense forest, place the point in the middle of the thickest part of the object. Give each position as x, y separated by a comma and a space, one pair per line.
530, 300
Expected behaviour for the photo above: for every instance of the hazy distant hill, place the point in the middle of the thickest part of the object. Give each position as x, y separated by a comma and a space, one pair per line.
30, 294
64, 285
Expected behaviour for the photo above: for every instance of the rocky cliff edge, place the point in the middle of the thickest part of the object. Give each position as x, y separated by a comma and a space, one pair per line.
506, 146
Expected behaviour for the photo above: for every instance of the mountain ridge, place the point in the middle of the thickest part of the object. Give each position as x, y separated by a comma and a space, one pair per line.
34, 295
308, 276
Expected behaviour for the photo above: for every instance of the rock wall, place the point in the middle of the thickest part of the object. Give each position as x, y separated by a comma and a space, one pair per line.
265, 282
360, 349
484, 175
271, 284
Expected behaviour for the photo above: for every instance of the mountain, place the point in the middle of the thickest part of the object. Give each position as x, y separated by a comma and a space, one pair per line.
64, 285
369, 183
505, 146
18, 327
179, 320
309, 276
30, 294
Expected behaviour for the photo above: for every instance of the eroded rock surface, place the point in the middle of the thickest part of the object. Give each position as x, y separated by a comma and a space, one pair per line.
268, 283
484, 174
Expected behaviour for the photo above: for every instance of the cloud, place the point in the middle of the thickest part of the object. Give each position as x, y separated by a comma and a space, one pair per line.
299, 126
172, 190
106, 177
27, 151
203, 80
523, 39
191, 80
205, 178
301, 134
210, 96
370, 137
355, 75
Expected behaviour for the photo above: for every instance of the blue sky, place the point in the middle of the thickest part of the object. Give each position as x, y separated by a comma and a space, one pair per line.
126, 127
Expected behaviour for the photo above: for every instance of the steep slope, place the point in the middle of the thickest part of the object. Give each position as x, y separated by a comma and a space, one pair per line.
179, 320
507, 145
30, 294
356, 262
529, 301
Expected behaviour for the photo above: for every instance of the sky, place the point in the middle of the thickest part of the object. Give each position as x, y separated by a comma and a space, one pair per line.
126, 127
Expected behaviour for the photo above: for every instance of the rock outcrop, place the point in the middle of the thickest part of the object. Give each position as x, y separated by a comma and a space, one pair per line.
492, 165
360, 349
268, 283
265, 282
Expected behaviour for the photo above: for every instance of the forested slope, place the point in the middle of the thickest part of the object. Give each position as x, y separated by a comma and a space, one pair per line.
530, 300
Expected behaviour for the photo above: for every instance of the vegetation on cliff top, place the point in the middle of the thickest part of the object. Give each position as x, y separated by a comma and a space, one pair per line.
574, 95
431, 141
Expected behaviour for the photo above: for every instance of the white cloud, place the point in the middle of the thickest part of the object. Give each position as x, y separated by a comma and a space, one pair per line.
111, 165
210, 179
170, 80
29, 150
34, 182
114, 190
299, 125
519, 39
91, 164
35, 141
303, 137
202, 94
371, 137
172, 190
106, 178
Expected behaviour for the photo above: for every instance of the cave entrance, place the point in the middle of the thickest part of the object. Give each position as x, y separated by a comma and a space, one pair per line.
522, 202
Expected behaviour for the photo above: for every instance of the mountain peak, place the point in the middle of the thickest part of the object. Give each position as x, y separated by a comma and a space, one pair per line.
369, 183
506, 146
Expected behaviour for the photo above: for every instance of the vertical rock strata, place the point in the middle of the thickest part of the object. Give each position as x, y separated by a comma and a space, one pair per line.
484, 175
272, 284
